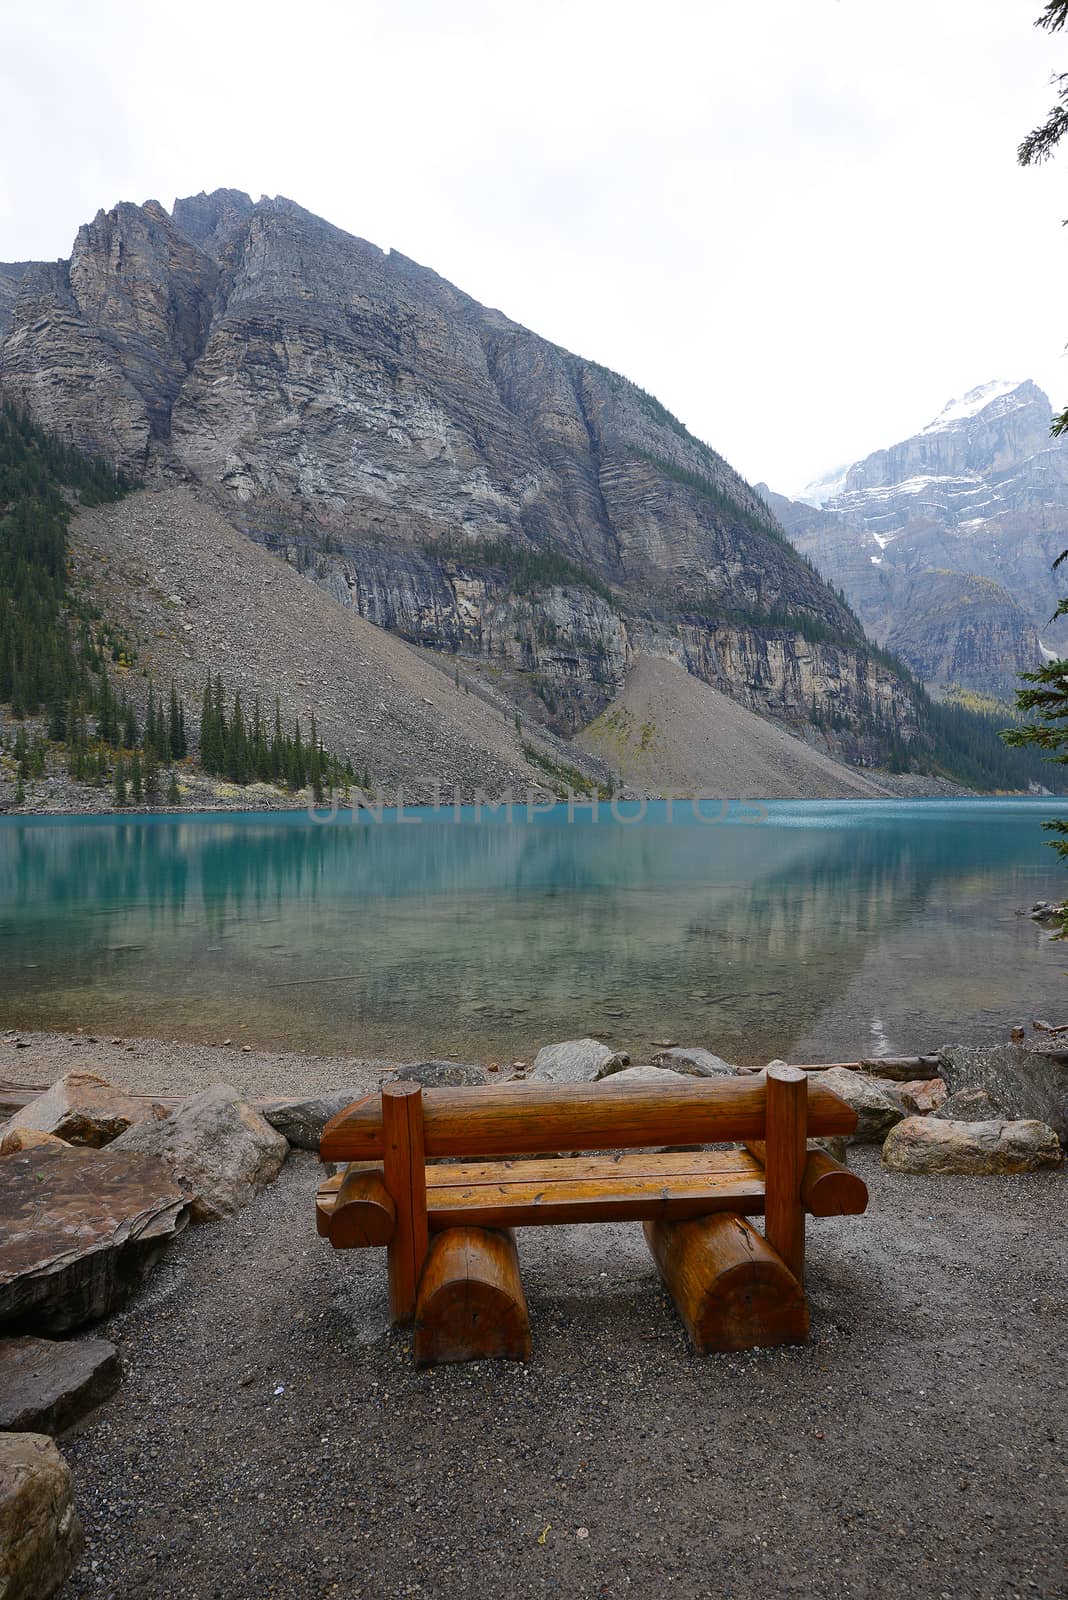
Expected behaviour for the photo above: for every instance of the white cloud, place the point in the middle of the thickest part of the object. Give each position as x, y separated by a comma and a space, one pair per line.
800, 224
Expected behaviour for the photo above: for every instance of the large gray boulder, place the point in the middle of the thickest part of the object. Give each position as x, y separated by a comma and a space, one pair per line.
876, 1112
694, 1062
576, 1061
219, 1148
80, 1229
442, 1074
41, 1534
47, 1384
933, 1145
82, 1108
301, 1122
1024, 1083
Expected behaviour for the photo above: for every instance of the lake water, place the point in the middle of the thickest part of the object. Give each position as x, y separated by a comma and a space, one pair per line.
827, 930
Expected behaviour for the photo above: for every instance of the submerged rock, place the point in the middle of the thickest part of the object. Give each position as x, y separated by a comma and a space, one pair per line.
41, 1534
81, 1227
82, 1108
577, 1061
1047, 911
47, 1384
222, 1150
933, 1145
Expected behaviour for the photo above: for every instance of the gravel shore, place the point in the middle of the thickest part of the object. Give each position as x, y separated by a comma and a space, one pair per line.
171, 1066
272, 1437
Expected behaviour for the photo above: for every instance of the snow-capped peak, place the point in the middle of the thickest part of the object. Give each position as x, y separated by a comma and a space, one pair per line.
971, 404
822, 490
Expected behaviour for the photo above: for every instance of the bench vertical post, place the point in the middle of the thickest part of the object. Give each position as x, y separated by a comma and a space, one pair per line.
404, 1170
786, 1125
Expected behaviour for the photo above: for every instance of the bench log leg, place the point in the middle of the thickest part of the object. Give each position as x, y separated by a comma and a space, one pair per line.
471, 1303
732, 1290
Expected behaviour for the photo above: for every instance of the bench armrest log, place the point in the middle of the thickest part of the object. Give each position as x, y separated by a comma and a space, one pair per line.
827, 1188
552, 1117
364, 1212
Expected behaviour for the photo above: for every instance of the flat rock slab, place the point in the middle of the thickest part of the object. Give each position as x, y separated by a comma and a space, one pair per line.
81, 1227
932, 1145
83, 1108
41, 1535
48, 1384
16, 1139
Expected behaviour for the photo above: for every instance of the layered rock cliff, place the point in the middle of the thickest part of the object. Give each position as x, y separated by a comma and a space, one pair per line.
945, 542
431, 463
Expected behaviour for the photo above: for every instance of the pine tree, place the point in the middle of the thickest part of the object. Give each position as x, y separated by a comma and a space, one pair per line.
57, 719
121, 797
136, 786
315, 764
106, 714
174, 797
151, 773
129, 725
175, 729
150, 721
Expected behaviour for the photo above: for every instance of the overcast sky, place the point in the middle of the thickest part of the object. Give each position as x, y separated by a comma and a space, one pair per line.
799, 223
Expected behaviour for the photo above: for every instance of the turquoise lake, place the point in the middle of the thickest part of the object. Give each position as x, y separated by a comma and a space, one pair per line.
814, 930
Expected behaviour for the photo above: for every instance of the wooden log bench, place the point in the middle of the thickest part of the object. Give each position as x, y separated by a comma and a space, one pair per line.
443, 1178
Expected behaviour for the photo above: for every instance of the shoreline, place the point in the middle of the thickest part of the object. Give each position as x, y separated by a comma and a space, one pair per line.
538, 804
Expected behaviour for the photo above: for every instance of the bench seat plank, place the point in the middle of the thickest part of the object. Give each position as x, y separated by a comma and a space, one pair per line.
516, 1204
647, 1184
661, 1164
630, 1188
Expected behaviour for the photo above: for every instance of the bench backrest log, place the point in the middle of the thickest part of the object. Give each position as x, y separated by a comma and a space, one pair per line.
536, 1118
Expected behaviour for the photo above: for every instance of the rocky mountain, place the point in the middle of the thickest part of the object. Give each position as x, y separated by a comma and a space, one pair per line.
944, 543
443, 471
